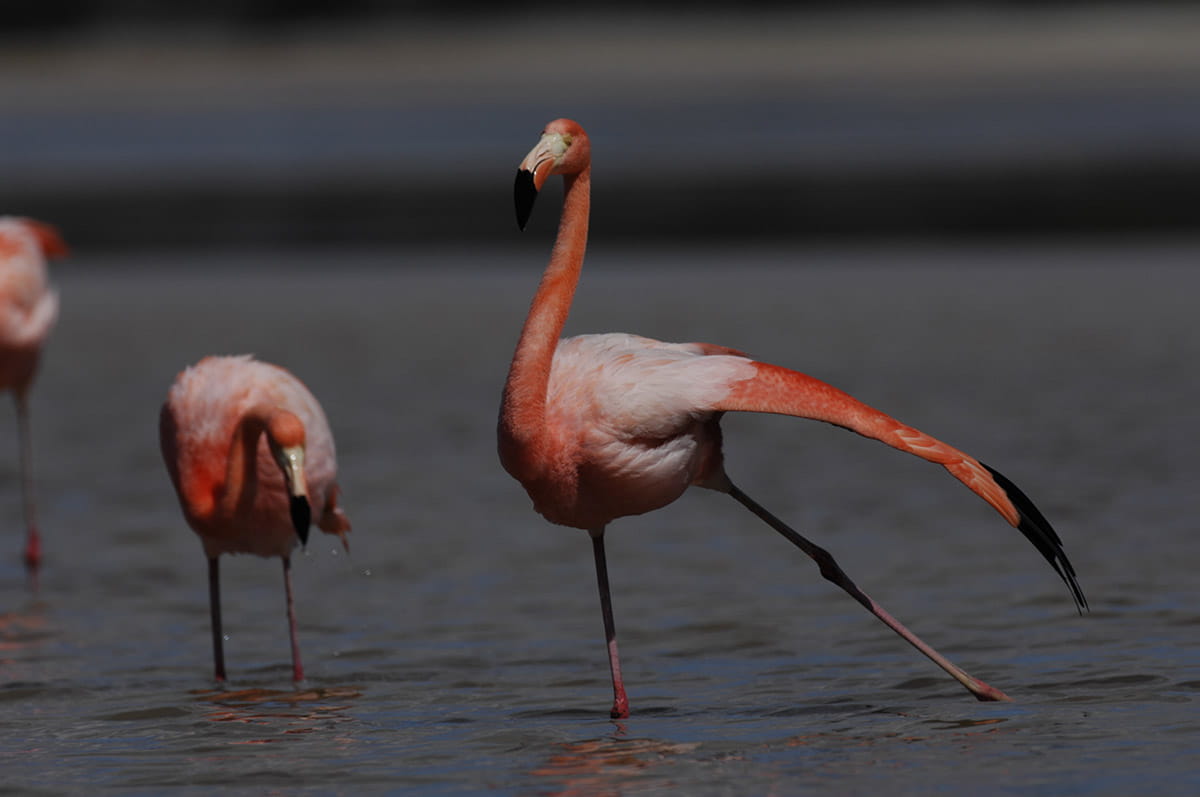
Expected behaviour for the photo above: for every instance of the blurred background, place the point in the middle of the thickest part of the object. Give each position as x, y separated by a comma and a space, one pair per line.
137, 124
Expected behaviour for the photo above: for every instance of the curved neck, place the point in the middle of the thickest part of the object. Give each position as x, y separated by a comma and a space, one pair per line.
523, 411
241, 468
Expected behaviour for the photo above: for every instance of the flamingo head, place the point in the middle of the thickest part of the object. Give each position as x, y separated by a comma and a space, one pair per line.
48, 238
563, 149
285, 438
28, 233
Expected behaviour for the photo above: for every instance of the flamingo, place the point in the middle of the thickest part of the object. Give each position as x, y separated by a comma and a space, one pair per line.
597, 427
251, 456
28, 310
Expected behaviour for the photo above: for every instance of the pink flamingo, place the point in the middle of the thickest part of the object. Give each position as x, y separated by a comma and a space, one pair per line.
597, 427
28, 310
251, 456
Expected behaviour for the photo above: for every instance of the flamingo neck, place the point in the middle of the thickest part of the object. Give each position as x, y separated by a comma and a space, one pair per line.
241, 469
523, 412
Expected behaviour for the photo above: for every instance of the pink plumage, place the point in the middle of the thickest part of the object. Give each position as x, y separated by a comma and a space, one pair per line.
251, 457
597, 427
28, 310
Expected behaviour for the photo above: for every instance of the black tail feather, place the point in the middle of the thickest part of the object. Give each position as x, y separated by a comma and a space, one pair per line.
1038, 530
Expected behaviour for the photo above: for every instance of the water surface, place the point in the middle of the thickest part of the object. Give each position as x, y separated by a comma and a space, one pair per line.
458, 648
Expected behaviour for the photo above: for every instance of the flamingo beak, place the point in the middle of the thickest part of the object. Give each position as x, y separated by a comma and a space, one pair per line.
533, 172
291, 460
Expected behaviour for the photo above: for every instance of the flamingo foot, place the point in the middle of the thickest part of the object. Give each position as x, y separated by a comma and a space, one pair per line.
33, 558
33, 551
988, 694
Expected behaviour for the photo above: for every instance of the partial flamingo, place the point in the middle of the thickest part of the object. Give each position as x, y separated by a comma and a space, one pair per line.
251, 456
28, 310
598, 427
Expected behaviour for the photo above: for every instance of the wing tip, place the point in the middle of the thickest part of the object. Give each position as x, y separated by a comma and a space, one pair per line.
1037, 530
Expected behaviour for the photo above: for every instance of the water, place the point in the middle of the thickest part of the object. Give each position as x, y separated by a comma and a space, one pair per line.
458, 648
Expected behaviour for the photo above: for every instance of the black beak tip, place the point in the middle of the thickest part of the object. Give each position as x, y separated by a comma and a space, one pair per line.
301, 516
524, 193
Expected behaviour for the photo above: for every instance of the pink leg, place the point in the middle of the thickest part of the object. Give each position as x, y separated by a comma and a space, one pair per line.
297, 667
214, 611
620, 708
33, 542
833, 572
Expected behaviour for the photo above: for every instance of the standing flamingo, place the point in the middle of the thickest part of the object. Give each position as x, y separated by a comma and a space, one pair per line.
252, 459
28, 310
597, 427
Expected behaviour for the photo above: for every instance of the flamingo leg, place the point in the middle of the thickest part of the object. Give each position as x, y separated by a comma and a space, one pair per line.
214, 611
834, 573
33, 542
297, 667
620, 708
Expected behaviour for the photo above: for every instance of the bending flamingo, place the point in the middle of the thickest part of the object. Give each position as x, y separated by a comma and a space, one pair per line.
597, 427
251, 456
28, 310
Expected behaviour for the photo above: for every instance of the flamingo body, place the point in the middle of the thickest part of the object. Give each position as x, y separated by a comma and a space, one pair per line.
28, 310
28, 304
229, 427
597, 427
204, 408
629, 426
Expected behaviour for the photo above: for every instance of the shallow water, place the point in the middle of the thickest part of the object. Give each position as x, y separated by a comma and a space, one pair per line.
458, 648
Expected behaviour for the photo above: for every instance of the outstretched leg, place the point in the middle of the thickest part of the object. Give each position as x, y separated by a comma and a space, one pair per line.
833, 572
620, 708
297, 667
33, 542
214, 612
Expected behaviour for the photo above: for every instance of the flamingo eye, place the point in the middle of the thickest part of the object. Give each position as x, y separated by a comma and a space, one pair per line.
558, 147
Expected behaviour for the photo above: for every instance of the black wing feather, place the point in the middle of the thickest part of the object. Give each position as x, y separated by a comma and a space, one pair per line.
1038, 530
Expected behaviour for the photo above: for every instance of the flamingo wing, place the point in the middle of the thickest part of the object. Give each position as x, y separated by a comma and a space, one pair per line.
631, 387
774, 389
